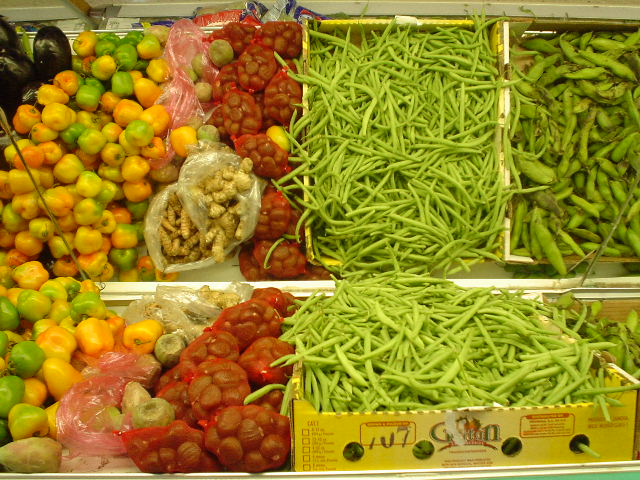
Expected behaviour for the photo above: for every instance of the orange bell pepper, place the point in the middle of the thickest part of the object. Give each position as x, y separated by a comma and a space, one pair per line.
59, 200
59, 376
30, 275
126, 111
134, 168
108, 101
58, 116
28, 244
35, 392
141, 337
94, 336
161, 276
26, 116
46, 177
158, 117
155, 149
51, 94
53, 151
93, 263
68, 81
7, 238
137, 191
56, 342
146, 91
64, 267
26, 205
158, 70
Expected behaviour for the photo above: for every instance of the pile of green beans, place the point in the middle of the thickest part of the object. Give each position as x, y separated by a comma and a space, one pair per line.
399, 341
400, 146
573, 133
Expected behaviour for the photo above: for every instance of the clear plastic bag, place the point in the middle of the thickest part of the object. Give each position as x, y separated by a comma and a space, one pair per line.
222, 196
185, 310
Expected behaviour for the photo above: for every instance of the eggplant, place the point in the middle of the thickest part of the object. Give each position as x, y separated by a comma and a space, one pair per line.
16, 71
8, 36
51, 53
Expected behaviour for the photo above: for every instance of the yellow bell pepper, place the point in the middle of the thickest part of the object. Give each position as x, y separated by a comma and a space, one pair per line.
51, 412
88, 286
57, 342
94, 336
141, 337
27, 421
35, 392
59, 376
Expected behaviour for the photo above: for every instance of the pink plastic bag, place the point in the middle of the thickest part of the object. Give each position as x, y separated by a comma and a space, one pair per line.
186, 40
88, 419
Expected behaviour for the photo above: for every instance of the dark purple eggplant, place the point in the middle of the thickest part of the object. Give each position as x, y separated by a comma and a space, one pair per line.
51, 53
16, 71
8, 36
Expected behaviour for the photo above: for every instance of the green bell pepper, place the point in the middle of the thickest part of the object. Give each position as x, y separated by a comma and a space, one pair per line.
110, 36
53, 289
33, 305
5, 435
87, 97
124, 258
105, 47
137, 209
11, 393
96, 83
87, 304
4, 343
122, 84
70, 134
25, 359
27, 421
132, 38
71, 285
126, 56
40, 326
9, 317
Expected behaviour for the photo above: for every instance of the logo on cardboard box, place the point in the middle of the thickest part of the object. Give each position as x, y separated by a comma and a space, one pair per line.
464, 431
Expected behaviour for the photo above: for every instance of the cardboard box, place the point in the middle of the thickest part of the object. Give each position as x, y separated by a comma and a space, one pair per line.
515, 31
469, 437
497, 38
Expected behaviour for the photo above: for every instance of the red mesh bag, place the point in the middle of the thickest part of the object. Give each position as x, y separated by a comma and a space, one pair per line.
218, 383
249, 438
226, 79
239, 35
248, 321
269, 160
282, 96
267, 121
271, 401
274, 217
177, 394
217, 120
174, 374
283, 302
286, 259
241, 113
283, 37
256, 67
176, 448
316, 272
250, 269
209, 345
257, 358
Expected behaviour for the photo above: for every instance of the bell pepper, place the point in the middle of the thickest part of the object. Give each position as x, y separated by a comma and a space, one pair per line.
88, 304
71, 285
20, 182
88, 184
87, 212
85, 43
68, 324
149, 47
51, 94
106, 274
26, 205
11, 393
146, 269
27, 116
9, 317
30, 275
113, 154
35, 392
41, 326
89, 286
110, 190
12, 295
91, 141
146, 91
96, 83
41, 133
54, 290
105, 46
4, 343
59, 376
138, 133
57, 342
5, 275
122, 84
125, 112
25, 359
158, 117
160, 276
137, 191
27, 421
41, 228
59, 200
68, 167
141, 337
93, 264
108, 101
155, 149
103, 67
94, 336
88, 119
109, 36
58, 248
137, 209
88, 97
52, 411
132, 38
58, 116
106, 224
124, 258
59, 309
117, 325
124, 236
135, 167
5, 435
33, 305
68, 80
112, 130
125, 56
158, 70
